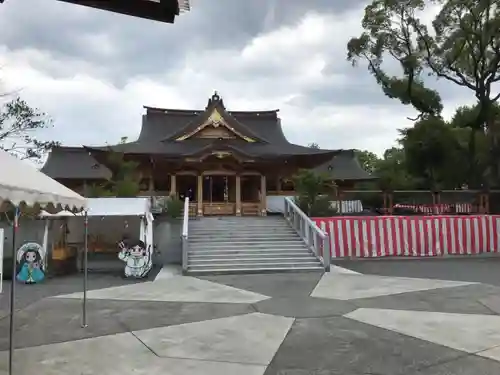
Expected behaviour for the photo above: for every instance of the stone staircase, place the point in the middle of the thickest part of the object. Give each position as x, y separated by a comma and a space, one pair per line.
247, 245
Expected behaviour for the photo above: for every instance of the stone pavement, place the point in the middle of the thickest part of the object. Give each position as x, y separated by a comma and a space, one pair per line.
273, 324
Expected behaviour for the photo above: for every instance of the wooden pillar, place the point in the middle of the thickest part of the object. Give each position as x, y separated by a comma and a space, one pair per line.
238, 195
151, 187
85, 189
263, 196
173, 185
199, 195
278, 184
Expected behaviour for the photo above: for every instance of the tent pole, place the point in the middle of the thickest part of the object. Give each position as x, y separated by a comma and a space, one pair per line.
13, 290
85, 269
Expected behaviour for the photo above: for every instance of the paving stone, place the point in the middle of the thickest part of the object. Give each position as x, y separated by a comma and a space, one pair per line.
341, 346
274, 285
59, 320
304, 307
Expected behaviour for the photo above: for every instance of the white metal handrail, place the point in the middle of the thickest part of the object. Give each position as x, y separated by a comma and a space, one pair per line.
316, 239
184, 235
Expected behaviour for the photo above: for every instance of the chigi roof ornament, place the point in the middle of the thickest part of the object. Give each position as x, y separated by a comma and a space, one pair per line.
214, 99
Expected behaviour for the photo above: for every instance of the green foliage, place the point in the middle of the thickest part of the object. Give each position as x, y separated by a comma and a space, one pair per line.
313, 193
125, 180
431, 150
173, 207
19, 124
98, 191
368, 160
463, 48
126, 188
392, 171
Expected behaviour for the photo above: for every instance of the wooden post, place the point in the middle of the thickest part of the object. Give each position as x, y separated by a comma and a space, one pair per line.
238, 195
278, 184
85, 188
390, 202
263, 196
151, 187
173, 185
340, 208
199, 196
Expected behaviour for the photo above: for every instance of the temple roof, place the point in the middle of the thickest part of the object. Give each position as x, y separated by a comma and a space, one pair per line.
174, 133
345, 166
171, 132
74, 163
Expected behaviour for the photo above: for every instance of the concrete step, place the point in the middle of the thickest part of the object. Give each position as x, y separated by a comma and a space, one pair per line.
234, 228
250, 270
248, 251
196, 231
251, 260
236, 238
250, 255
217, 223
260, 265
246, 245
245, 237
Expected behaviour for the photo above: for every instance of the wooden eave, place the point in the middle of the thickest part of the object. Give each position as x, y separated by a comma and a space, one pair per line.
166, 11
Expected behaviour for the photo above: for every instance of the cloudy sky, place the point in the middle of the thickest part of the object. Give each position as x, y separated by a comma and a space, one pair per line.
92, 71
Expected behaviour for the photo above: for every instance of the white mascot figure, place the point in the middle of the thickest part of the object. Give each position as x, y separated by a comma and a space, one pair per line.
137, 258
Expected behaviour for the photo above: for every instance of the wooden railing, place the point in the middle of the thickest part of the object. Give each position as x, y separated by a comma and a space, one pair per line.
185, 235
316, 240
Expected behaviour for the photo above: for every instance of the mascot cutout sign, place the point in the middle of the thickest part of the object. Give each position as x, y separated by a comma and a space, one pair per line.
137, 258
31, 269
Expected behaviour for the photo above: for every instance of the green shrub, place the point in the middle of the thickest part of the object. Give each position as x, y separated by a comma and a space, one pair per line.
173, 207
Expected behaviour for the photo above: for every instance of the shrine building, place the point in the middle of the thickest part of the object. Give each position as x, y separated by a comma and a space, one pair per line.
226, 162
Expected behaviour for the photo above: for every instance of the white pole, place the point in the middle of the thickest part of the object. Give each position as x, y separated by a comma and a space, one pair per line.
45, 245
85, 269
13, 290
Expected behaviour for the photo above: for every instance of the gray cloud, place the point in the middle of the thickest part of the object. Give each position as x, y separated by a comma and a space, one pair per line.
129, 46
95, 70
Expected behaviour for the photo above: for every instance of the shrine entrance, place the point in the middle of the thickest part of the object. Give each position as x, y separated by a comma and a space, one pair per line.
219, 195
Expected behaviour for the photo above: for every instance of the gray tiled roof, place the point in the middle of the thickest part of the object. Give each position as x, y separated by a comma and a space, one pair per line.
345, 166
73, 162
161, 126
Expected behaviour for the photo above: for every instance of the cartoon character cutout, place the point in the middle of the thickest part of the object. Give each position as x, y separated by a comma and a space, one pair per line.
137, 258
31, 269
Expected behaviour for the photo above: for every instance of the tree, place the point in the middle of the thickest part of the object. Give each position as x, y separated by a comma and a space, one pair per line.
125, 179
368, 160
463, 49
313, 193
484, 152
19, 124
313, 145
392, 171
432, 152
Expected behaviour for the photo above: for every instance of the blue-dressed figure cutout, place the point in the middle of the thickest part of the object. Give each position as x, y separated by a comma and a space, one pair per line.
31, 269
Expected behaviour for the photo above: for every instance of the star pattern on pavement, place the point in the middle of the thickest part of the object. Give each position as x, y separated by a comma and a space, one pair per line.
288, 324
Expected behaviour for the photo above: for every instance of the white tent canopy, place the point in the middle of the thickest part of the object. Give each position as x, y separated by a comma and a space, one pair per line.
110, 207
23, 183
